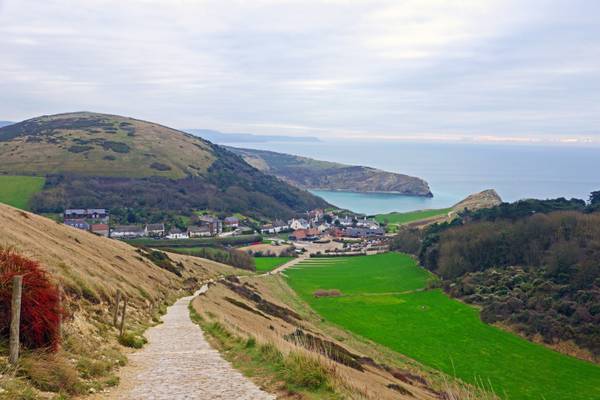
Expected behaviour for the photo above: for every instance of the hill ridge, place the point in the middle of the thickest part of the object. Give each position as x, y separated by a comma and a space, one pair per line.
309, 173
90, 159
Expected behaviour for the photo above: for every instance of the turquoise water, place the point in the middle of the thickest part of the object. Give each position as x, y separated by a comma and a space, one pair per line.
454, 171
375, 203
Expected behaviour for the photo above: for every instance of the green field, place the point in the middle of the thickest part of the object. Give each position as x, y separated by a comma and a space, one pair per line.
265, 264
383, 301
17, 191
396, 218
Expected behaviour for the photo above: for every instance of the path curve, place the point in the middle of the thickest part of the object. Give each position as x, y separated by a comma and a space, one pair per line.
288, 264
178, 363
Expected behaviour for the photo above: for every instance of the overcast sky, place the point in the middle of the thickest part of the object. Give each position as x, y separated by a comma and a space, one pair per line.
418, 69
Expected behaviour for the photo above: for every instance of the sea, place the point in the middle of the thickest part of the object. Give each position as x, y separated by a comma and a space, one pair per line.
455, 170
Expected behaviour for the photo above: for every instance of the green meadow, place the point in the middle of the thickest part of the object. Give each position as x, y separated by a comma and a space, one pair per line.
17, 191
383, 299
266, 264
397, 218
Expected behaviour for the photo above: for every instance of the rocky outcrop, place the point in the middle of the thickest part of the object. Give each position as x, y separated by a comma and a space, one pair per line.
307, 173
485, 199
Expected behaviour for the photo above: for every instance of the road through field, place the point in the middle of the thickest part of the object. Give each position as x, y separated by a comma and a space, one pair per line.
178, 363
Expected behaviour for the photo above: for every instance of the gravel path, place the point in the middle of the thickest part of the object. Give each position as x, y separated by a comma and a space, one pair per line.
178, 363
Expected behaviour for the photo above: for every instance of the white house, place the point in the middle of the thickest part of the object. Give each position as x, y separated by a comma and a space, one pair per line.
276, 227
367, 223
323, 227
176, 233
199, 231
155, 230
296, 224
345, 221
127, 231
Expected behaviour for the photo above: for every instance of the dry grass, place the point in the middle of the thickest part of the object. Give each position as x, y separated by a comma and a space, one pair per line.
347, 382
51, 373
90, 270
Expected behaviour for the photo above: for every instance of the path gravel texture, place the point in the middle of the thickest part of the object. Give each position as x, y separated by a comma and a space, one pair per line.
178, 363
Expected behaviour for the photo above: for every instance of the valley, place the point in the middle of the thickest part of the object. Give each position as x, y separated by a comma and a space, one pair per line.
295, 283
385, 298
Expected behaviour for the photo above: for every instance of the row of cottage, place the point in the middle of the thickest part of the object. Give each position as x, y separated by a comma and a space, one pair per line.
316, 225
319, 224
97, 222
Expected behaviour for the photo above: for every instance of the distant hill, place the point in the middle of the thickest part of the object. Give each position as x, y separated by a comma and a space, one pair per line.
5, 123
308, 173
477, 201
222, 138
99, 160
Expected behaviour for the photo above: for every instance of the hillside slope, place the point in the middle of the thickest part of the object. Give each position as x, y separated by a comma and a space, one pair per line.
99, 160
90, 270
308, 173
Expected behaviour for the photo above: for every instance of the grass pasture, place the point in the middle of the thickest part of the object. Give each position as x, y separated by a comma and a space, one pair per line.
396, 218
383, 300
266, 264
17, 191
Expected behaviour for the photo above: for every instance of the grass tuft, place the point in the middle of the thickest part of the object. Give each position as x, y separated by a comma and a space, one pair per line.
51, 373
130, 339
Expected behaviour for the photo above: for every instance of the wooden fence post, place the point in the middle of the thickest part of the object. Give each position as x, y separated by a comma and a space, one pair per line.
116, 312
123, 316
60, 312
15, 320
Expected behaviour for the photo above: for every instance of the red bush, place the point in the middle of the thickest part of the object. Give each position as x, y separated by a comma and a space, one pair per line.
40, 303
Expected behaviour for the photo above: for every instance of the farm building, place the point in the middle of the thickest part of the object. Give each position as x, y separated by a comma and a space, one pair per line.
155, 230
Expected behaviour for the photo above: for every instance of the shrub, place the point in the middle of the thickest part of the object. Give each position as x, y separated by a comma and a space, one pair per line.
160, 166
79, 148
41, 311
117, 147
130, 339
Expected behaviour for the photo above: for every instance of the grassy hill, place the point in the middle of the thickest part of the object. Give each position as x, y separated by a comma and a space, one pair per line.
397, 218
421, 218
99, 160
315, 174
17, 191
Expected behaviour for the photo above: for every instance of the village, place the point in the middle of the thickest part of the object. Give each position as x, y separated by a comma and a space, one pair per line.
315, 226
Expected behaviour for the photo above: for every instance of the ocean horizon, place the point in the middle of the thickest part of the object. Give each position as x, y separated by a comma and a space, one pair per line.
455, 170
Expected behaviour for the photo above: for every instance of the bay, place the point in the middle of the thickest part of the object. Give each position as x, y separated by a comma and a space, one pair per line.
455, 170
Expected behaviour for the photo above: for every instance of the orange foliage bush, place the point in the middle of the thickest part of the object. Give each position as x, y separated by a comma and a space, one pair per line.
41, 310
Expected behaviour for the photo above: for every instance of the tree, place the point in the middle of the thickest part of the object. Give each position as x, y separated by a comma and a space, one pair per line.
595, 198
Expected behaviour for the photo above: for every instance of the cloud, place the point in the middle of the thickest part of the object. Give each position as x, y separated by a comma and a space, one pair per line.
404, 69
